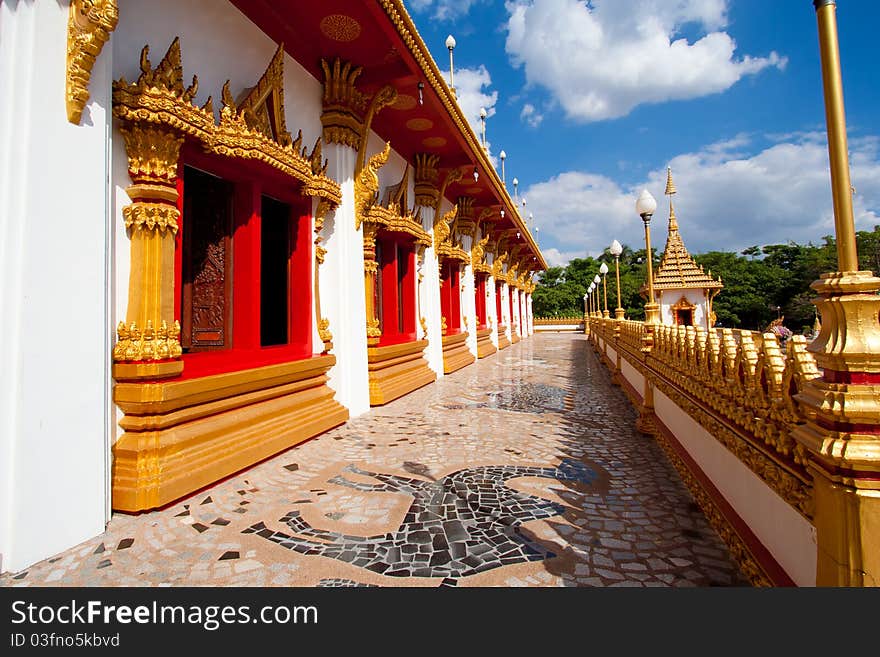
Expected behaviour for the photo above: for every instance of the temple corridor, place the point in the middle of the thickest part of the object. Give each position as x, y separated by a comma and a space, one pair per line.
522, 469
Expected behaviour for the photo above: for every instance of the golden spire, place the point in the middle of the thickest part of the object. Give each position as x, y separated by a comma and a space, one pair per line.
670, 186
670, 190
678, 270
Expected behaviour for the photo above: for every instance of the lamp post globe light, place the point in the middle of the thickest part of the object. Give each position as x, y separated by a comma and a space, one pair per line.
450, 44
503, 157
483, 115
596, 280
616, 249
604, 270
645, 206
590, 293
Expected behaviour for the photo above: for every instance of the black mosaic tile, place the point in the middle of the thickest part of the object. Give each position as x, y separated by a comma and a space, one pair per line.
222, 522
199, 527
207, 500
229, 554
104, 564
125, 543
293, 467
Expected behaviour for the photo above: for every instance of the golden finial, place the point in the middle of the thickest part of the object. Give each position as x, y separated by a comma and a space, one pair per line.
670, 186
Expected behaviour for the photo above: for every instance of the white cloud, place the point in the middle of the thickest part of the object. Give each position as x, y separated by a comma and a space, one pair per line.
557, 258
473, 89
443, 9
726, 200
531, 116
602, 60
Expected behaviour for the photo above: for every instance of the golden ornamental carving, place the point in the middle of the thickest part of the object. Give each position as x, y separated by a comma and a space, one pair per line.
366, 184
263, 105
425, 179
443, 228
466, 207
478, 254
498, 266
89, 25
424, 324
385, 97
323, 324
150, 216
343, 104
158, 101
147, 344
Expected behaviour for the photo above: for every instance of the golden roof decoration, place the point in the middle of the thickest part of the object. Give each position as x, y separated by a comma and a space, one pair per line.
678, 270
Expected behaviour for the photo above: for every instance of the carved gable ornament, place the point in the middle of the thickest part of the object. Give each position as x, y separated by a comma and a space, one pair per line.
262, 106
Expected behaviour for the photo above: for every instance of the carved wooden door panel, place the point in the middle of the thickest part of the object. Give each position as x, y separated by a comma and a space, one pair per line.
207, 262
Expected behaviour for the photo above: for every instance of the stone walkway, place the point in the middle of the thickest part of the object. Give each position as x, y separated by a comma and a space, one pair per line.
523, 469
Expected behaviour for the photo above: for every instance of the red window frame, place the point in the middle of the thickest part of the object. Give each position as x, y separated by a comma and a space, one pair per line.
481, 300
396, 288
252, 181
450, 297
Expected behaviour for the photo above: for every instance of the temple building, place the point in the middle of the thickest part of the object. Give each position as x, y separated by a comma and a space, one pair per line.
226, 228
682, 288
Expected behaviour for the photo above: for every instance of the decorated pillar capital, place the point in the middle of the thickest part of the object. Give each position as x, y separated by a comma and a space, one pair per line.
426, 176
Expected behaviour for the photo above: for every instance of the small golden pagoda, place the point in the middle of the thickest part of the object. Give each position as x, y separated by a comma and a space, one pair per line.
682, 288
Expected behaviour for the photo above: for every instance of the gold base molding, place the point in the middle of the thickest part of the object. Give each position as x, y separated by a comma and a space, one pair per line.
183, 435
456, 353
484, 343
397, 370
514, 338
503, 342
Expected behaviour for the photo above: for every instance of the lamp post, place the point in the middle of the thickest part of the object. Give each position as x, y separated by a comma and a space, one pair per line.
503, 157
483, 116
616, 249
604, 270
590, 305
645, 206
596, 280
450, 44
515, 184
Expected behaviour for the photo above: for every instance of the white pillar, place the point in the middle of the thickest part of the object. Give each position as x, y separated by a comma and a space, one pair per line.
468, 297
492, 308
429, 295
56, 417
342, 288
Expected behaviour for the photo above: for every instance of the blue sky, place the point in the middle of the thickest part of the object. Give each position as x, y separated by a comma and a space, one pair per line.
592, 101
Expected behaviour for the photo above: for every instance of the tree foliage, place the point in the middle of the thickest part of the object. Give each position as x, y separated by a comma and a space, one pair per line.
760, 283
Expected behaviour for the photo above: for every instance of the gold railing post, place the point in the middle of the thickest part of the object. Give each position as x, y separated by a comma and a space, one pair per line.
840, 442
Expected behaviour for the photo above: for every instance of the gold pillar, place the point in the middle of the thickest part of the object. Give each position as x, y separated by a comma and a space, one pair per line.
619, 312
605, 294
652, 309
839, 443
835, 119
371, 267
148, 344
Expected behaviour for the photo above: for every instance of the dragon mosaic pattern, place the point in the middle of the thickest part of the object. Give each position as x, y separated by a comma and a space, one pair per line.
464, 523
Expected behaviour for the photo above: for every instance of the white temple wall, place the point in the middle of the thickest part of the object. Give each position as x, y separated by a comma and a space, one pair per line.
55, 258
671, 297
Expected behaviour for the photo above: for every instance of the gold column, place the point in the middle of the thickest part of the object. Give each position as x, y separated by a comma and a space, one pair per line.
619, 312
835, 118
605, 293
840, 442
148, 343
371, 267
652, 309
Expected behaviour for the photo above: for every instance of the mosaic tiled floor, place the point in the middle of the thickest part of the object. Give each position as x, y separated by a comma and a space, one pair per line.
523, 469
